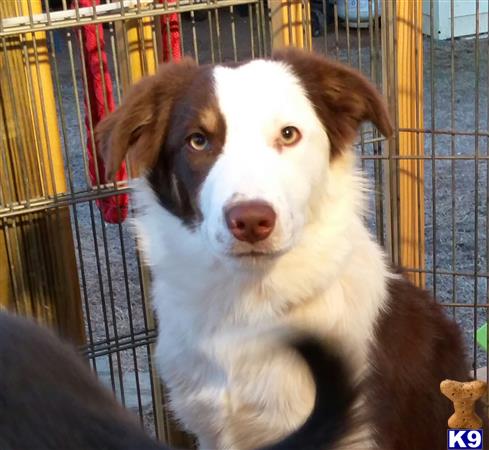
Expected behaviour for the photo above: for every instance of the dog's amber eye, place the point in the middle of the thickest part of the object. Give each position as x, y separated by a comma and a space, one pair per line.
290, 135
198, 142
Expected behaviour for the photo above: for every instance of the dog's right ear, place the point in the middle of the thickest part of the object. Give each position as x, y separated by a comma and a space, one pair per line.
137, 128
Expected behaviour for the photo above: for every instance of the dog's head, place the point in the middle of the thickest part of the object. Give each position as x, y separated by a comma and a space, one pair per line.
239, 153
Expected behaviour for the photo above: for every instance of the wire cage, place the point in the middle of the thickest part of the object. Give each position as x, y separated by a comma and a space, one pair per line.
67, 254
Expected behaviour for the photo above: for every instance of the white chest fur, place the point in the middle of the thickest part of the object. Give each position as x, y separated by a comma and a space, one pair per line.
227, 385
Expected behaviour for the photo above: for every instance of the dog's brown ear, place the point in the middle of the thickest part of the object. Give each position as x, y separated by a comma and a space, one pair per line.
342, 97
139, 125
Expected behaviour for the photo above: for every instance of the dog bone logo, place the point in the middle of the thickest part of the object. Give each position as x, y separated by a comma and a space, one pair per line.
464, 396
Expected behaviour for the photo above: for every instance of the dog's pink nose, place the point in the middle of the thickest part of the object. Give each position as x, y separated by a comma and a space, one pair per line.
250, 221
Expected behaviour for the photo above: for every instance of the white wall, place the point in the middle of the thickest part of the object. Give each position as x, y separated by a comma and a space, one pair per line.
464, 17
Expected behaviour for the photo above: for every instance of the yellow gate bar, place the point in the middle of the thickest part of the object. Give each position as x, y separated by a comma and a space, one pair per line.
38, 271
291, 23
410, 176
136, 50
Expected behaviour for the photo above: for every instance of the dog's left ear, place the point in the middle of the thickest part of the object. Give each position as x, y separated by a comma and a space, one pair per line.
342, 97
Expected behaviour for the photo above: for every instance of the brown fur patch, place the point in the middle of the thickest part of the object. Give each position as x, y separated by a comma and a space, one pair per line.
179, 171
417, 347
209, 118
152, 125
342, 97
138, 126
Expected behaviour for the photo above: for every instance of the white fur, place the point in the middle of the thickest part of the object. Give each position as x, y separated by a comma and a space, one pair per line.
250, 166
324, 273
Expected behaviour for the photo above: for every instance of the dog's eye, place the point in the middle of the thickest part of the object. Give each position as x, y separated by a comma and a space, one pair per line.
198, 142
290, 136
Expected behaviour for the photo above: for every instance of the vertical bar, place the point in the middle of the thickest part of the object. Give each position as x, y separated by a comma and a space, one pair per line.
389, 76
476, 183
433, 147
325, 24
135, 50
487, 212
34, 133
195, 40
211, 36
291, 23
336, 30
359, 38
453, 153
419, 199
233, 34
218, 34
376, 75
409, 65
347, 28
252, 31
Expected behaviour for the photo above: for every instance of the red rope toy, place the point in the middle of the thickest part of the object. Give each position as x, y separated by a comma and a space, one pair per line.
174, 52
99, 100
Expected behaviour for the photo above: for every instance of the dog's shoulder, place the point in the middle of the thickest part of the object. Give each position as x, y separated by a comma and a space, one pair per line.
416, 346
413, 319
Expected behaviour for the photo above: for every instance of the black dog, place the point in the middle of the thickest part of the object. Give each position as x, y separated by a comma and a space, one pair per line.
50, 400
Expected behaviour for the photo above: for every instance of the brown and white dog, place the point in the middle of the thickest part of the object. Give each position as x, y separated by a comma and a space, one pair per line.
250, 213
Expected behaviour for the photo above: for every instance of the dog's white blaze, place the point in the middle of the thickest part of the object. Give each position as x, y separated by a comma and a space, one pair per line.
331, 280
257, 101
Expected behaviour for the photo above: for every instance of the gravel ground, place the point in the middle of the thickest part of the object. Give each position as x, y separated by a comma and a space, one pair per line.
457, 191
107, 254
